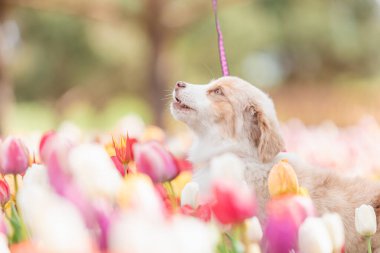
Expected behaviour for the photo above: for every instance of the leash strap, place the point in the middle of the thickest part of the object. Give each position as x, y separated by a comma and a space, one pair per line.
222, 51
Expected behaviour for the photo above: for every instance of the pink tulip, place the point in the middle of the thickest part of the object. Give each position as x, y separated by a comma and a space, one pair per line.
285, 215
233, 203
43, 150
14, 156
155, 161
4, 192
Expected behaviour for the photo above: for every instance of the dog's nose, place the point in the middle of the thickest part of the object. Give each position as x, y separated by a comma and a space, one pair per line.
180, 84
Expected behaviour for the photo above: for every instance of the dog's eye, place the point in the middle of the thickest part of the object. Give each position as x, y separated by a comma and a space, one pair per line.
218, 91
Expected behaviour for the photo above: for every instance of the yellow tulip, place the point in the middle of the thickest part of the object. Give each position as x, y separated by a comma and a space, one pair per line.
180, 181
134, 187
283, 180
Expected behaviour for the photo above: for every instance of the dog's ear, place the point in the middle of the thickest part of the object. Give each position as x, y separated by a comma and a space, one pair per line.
263, 133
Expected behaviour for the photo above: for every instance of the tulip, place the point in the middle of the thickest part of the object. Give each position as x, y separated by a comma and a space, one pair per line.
43, 150
40, 208
181, 181
284, 216
181, 234
4, 192
190, 195
36, 175
14, 156
365, 223
155, 161
314, 237
282, 179
124, 149
4, 244
365, 220
94, 171
233, 203
119, 166
138, 193
3, 225
335, 227
254, 230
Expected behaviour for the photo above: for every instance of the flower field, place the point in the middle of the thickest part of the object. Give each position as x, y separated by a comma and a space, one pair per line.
130, 191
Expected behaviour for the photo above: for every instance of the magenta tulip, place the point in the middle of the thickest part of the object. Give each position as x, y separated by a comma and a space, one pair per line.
155, 161
14, 156
285, 215
233, 203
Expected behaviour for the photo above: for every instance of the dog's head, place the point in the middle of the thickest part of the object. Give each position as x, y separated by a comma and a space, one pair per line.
232, 108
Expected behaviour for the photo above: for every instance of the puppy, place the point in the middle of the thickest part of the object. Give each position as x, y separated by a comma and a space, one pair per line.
231, 115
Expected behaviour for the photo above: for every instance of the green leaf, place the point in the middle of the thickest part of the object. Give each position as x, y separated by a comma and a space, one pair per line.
18, 227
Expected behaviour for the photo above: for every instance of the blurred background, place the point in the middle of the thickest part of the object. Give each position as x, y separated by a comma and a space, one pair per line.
94, 61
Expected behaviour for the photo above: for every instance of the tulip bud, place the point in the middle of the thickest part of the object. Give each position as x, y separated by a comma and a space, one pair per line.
335, 227
155, 161
4, 192
365, 220
314, 237
14, 156
282, 179
190, 194
233, 203
254, 230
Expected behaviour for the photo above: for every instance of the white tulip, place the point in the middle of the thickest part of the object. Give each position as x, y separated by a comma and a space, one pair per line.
313, 237
36, 175
190, 195
131, 232
4, 244
365, 220
94, 171
181, 234
55, 224
254, 230
190, 235
334, 225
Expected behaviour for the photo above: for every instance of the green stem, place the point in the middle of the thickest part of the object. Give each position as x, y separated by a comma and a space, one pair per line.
15, 183
369, 244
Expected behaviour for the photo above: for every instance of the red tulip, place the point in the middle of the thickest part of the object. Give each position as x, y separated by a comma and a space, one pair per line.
124, 149
14, 156
285, 215
119, 166
155, 161
233, 203
4, 192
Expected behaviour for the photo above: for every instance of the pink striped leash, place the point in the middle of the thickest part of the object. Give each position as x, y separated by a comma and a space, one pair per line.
222, 51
